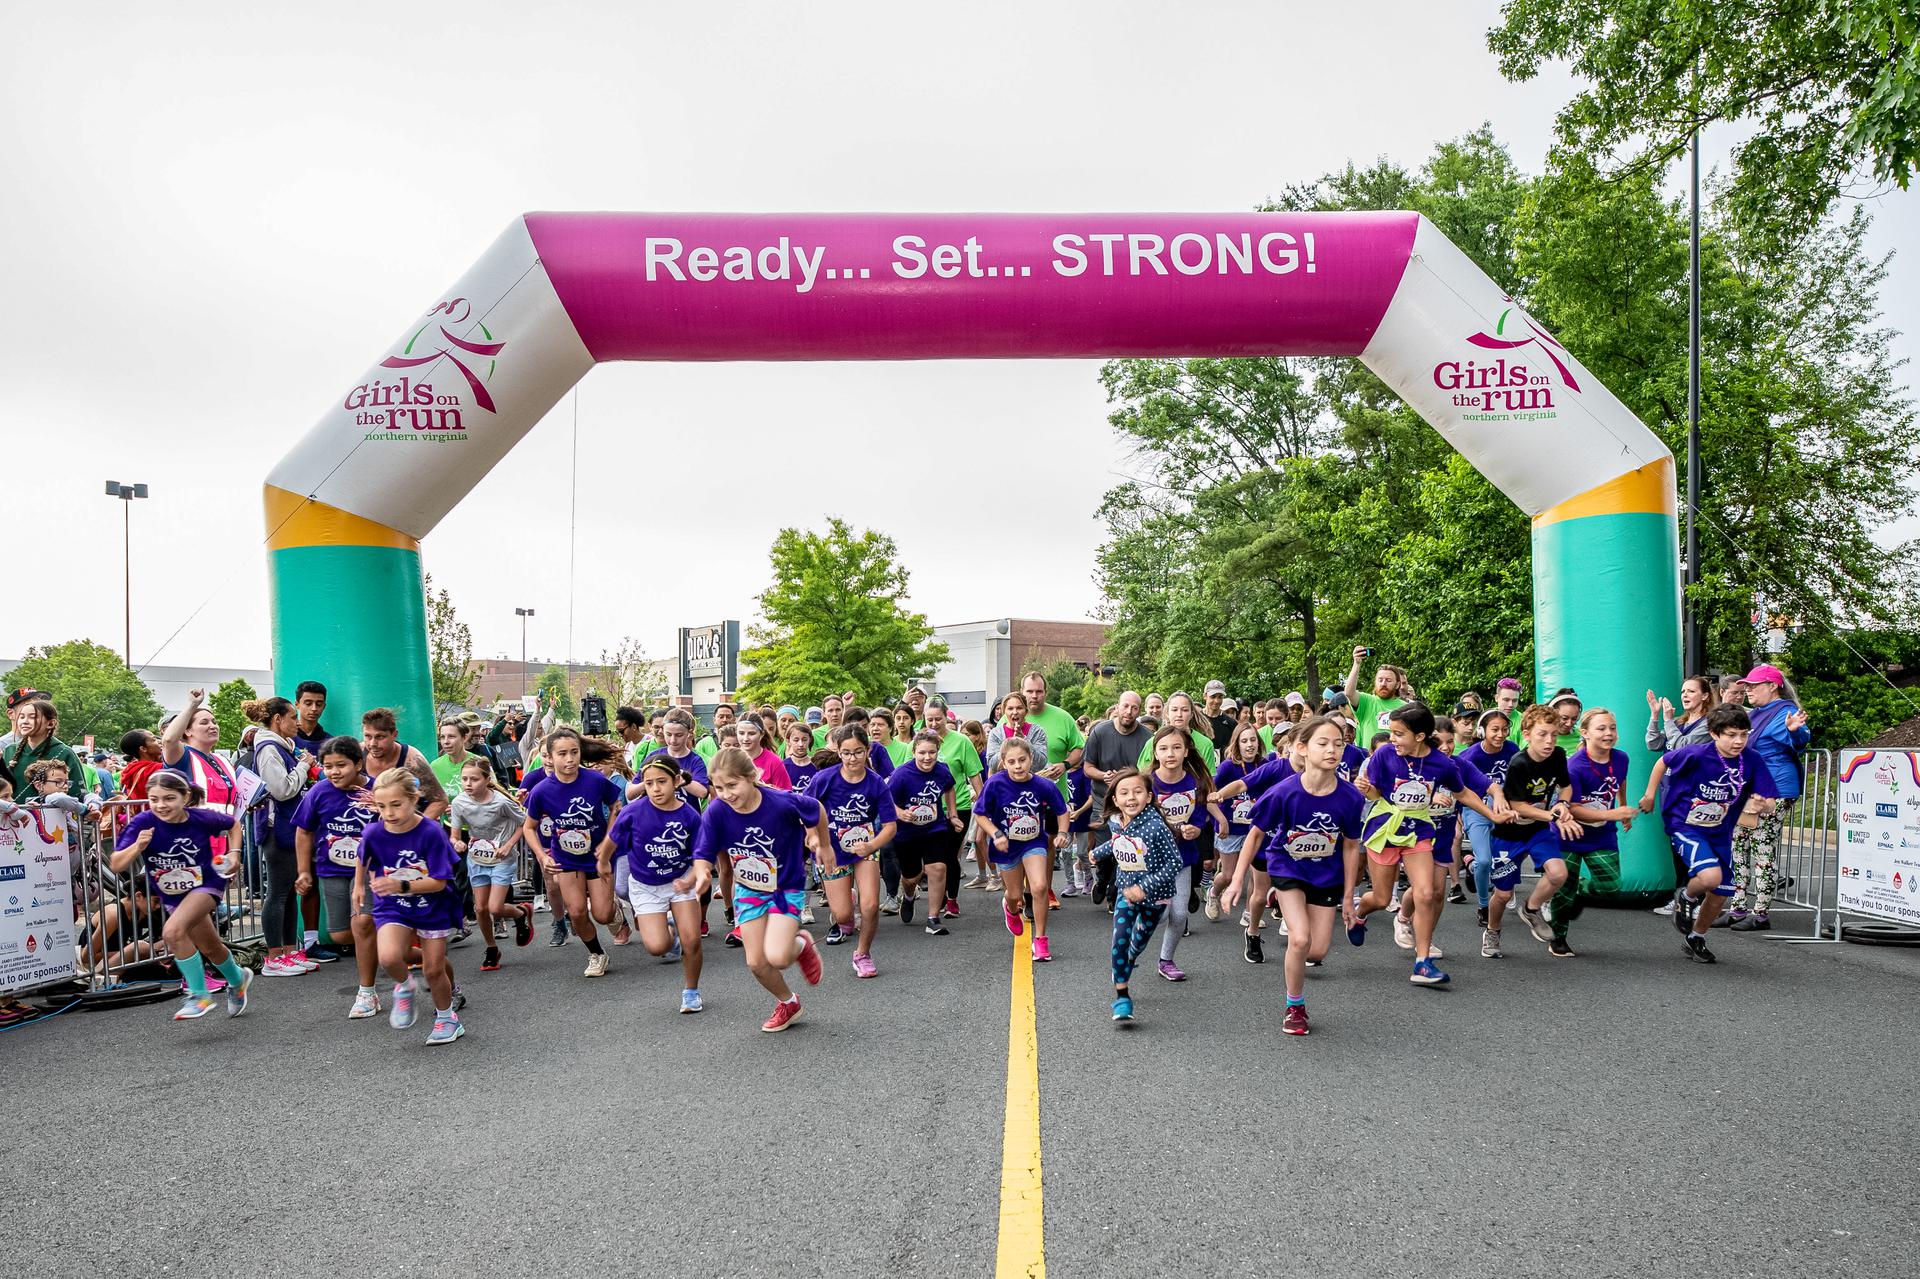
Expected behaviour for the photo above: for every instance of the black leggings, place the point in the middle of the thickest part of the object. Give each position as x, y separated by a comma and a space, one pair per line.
280, 912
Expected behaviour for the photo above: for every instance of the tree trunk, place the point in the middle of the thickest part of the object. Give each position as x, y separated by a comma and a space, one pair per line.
1308, 633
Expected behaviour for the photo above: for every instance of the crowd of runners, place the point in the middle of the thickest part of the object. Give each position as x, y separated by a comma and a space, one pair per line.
768, 822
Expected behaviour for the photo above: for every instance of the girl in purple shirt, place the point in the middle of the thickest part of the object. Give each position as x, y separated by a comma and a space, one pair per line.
1184, 795
567, 816
860, 818
405, 880
175, 839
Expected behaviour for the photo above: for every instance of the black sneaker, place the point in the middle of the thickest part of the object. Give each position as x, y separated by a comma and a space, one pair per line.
1483, 917
834, 935
1682, 912
1697, 950
323, 954
1559, 949
1456, 894
935, 928
906, 910
1725, 920
1255, 953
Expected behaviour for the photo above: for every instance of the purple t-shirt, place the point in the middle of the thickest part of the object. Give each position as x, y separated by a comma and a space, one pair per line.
855, 810
336, 820
179, 857
1240, 807
1352, 760
768, 846
1407, 781
916, 800
1706, 790
1073, 788
572, 816
799, 772
879, 760
657, 842
1304, 832
1492, 763
425, 851
1446, 804
1025, 812
1597, 786
692, 765
1179, 804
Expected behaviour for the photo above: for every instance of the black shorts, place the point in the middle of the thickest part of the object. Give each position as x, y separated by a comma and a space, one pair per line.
1317, 895
938, 843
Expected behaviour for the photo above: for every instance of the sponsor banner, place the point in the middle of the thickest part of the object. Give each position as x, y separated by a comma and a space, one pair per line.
1879, 834
36, 900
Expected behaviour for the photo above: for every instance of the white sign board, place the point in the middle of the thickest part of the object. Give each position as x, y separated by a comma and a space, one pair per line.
1880, 834
36, 900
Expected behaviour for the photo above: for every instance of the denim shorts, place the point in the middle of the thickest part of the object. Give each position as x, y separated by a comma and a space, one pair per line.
502, 872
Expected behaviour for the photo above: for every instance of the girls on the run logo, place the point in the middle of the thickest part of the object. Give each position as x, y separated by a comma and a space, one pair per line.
1504, 385
410, 404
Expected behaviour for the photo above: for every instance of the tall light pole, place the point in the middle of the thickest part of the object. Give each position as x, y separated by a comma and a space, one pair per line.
126, 493
1695, 661
523, 614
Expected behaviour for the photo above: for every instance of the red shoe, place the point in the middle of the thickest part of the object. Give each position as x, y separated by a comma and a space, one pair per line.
703, 928
809, 964
1015, 924
1053, 902
1295, 1022
783, 1015
953, 907
490, 963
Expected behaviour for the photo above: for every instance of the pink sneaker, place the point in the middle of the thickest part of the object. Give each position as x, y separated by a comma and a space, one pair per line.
299, 957
1015, 924
863, 966
1042, 952
953, 907
1171, 971
281, 966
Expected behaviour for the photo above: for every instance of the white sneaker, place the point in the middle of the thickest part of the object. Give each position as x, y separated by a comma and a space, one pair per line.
806, 916
597, 965
278, 966
539, 903
300, 957
365, 1004
1402, 932
1665, 908
1213, 904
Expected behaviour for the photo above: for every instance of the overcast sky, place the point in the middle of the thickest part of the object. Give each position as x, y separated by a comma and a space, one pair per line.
216, 218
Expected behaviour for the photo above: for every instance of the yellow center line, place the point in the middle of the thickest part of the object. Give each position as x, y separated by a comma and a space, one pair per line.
1022, 1252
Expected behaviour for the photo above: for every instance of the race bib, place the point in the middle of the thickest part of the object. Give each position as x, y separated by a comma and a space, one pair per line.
1706, 812
546, 828
1411, 793
179, 881
1023, 827
1310, 846
855, 838
484, 852
1242, 808
921, 814
1177, 807
1442, 800
576, 843
1130, 854
344, 851
755, 874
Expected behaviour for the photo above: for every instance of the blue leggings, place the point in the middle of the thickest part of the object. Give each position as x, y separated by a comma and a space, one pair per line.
1132, 929
1480, 839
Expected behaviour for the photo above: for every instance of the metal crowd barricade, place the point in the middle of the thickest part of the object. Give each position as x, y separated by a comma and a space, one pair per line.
1806, 862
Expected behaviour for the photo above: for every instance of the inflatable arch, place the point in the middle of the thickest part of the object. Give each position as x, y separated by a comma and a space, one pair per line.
559, 292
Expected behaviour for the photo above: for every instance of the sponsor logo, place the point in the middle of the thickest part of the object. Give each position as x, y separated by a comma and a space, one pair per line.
1885, 841
1887, 777
1853, 797
413, 407
1856, 837
11, 873
33, 943
1854, 819
1886, 810
1849, 872
1896, 879
1505, 389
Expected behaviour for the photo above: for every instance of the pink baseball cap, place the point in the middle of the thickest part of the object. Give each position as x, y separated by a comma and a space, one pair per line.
1766, 675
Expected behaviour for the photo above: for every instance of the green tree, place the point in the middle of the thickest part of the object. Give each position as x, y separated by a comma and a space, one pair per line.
553, 690
225, 705
91, 687
633, 680
835, 618
1833, 87
449, 653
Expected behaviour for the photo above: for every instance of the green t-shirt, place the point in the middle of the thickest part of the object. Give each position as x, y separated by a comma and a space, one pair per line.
900, 752
449, 774
1201, 744
1569, 742
1063, 734
1370, 714
706, 748
820, 737
963, 761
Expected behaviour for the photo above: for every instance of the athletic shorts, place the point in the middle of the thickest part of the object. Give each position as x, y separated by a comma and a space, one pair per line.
1018, 853
336, 892
1392, 853
1702, 851
1510, 856
655, 899
480, 875
748, 907
940, 843
1317, 894
1443, 849
591, 871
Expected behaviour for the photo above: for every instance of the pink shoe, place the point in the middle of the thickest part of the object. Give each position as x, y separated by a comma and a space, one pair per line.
299, 957
863, 966
1042, 952
953, 907
1171, 971
1015, 924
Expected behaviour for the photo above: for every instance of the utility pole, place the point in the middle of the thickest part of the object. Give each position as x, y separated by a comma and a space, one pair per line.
523, 614
1694, 659
126, 493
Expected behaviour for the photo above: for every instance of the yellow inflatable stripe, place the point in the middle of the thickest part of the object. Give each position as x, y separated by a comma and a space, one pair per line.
293, 520
1648, 490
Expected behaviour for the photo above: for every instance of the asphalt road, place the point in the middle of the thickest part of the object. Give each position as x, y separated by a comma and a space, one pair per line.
1623, 1113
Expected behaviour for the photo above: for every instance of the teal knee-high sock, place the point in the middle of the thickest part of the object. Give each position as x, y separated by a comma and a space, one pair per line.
194, 969
230, 969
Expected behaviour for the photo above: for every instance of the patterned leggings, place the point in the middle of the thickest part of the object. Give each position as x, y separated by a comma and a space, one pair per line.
1603, 874
1753, 853
1132, 929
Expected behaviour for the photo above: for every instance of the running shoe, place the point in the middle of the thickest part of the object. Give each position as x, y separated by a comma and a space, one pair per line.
194, 1007
1489, 943
401, 1016
1042, 951
1664, 908
863, 965
1403, 932
673, 954
1053, 900
366, 1003
1433, 950
322, 954
1697, 949
783, 1014
1015, 924
935, 928
1725, 920
1213, 904
1281, 929
703, 928
806, 919
215, 984
596, 965
1427, 973
446, 1030
301, 958
953, 908
559, 934
1482, 916
690, 1001
1358, 933
1537, 923
1457, 895
1122, 1008
810, 965
1758, 921
523, 929
237, 995
1171, 971
733, 939
490, 962
835, 936
1559, 949
459, 1000
906, 910
1682, 912
1246, 918
1256, 953
890, 906
1071, 890
1295, 1022
540, 903
279, 966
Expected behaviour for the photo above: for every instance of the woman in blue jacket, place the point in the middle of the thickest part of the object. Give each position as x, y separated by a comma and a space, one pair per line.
1780, 734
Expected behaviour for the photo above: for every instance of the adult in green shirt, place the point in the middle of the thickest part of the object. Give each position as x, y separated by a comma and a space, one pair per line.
958, 754
709, 745
453, 754
1065, 741
1371, 709
1566, 705
831, 709
1178, 710
34, 721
